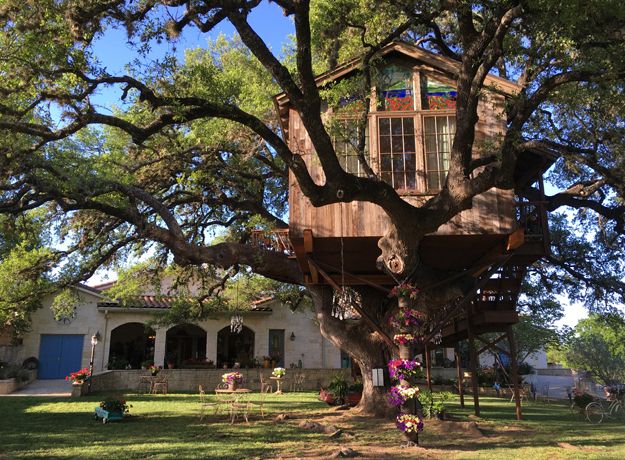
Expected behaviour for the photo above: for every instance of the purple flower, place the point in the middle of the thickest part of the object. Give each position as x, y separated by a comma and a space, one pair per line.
402, 369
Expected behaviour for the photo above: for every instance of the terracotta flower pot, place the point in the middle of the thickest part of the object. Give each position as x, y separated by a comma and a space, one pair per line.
232, 386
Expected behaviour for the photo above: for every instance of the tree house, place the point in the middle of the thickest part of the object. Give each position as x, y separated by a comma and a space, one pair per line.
408, 136
409, 132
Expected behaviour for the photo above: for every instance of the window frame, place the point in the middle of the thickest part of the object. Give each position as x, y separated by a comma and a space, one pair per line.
418, 115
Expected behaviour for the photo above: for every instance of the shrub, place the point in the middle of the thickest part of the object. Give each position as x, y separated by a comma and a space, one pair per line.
13, 372
582, 400
338, 387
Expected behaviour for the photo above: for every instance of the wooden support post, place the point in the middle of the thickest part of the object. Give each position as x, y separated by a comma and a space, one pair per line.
459, 377
515, 372
473, 365
428, 365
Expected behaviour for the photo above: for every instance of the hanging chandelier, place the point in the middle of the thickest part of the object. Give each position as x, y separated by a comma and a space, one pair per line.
236, 324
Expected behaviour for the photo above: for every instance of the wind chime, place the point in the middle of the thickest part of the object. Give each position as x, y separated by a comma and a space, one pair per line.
236, 321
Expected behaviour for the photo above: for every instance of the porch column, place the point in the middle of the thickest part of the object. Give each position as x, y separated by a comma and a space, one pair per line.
211, 345
159, 347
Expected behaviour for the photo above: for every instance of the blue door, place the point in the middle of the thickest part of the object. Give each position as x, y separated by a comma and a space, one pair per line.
59, 355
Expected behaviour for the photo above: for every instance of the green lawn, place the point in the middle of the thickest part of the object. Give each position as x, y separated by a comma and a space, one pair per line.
169, 427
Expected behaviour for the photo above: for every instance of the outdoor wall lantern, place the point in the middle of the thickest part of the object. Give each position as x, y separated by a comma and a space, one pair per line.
378, 377
292, 337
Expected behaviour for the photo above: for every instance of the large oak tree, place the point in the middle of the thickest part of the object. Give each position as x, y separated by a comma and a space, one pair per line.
191, 158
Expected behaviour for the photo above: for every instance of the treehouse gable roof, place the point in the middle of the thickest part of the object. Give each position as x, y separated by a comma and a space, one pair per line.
427, 59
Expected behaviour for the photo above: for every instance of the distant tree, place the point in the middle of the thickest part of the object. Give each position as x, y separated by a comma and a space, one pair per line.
598, 346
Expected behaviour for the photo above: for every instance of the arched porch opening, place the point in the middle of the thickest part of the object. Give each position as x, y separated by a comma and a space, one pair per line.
235, 348
184, 344
132, 346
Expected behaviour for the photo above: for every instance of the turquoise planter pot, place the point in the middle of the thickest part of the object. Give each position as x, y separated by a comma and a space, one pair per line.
107, 416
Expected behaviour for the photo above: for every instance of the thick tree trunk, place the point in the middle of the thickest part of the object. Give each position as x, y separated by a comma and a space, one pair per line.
366, 347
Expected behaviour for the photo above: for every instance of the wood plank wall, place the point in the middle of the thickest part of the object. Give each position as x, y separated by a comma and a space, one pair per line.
492, 212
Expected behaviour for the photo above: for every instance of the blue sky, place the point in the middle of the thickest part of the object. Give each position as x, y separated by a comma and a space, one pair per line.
267, 19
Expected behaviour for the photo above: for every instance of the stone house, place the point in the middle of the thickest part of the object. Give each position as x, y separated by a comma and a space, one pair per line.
269, 329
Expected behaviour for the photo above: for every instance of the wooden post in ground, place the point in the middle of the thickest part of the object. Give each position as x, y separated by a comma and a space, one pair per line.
515, 372
459, 377
473, 366
428, 374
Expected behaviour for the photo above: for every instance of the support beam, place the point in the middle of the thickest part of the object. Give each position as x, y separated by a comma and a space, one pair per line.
473, 365
428, 367
515, 372
365, 316
309, 247
492, 344
459, 376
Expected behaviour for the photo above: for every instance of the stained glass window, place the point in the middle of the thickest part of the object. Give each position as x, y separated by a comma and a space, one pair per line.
395, 91
436, 95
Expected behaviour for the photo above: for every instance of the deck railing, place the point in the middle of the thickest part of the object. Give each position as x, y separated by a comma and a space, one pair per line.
273, 240
531, 215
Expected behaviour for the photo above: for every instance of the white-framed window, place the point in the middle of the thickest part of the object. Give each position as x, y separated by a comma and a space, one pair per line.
438, 135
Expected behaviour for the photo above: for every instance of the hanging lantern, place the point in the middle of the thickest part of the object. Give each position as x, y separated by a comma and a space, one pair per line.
236, 324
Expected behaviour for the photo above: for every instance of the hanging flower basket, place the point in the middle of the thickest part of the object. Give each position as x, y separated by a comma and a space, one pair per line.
406, 319
405, 291
399, 394
403, 369
405, 339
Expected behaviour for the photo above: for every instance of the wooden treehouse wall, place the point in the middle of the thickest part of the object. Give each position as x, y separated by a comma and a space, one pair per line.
492, 212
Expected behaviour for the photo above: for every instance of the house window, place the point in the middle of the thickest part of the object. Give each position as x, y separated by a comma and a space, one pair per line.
345, 136
398, 151
438, 134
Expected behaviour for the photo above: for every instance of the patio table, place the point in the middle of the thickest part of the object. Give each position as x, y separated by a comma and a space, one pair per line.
279, 381
235, 404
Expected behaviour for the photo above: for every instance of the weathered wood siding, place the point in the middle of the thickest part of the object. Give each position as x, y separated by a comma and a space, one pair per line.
492, 212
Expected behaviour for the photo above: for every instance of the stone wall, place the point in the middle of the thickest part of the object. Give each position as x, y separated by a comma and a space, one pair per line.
10, 385
188, 380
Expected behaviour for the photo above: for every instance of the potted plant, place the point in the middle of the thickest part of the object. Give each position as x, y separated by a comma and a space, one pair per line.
354, 393
278, 372
154, 370
78, 377
170, 359
338, 387
411, 425
232, 379
266, 362
111, 409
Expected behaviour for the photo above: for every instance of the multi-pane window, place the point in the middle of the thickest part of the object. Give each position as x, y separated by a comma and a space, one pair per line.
346, 135
438, 134
398, 165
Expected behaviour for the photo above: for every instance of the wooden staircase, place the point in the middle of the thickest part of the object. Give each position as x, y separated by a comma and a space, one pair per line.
493, 306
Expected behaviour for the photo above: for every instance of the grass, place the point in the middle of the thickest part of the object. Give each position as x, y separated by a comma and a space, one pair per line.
169, 426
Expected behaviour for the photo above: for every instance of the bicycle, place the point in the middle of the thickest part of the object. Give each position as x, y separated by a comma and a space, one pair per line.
596, 411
